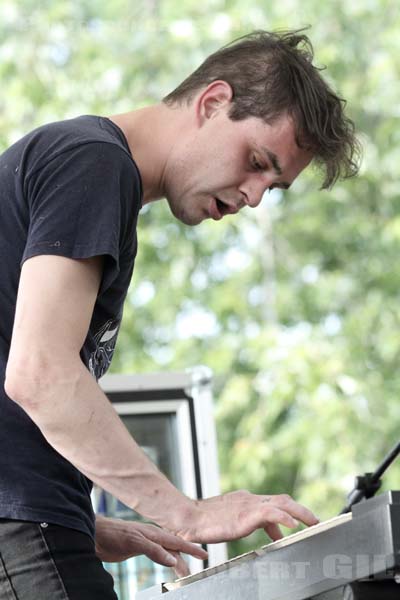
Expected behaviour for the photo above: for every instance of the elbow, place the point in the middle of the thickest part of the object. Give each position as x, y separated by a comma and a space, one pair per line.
12, 385
39, 391
10, 388
20, 388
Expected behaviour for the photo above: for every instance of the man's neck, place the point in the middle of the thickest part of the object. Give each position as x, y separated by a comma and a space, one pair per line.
150, 133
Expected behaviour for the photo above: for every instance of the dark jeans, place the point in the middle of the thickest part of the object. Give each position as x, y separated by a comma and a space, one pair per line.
49, 562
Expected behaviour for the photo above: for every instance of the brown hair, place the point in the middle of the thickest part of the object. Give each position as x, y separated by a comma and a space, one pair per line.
271, 73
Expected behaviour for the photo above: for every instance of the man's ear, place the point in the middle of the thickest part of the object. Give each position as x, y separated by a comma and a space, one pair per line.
215, 97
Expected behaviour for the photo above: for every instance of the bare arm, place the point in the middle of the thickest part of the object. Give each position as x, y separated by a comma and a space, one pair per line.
46, 377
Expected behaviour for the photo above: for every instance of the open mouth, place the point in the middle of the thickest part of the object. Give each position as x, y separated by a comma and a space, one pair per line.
223, 208
218, 209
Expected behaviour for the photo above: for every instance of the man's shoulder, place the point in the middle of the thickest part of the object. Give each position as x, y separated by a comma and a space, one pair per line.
85, 139
60, 136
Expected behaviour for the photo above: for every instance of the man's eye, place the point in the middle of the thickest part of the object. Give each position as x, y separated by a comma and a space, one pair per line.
257, 165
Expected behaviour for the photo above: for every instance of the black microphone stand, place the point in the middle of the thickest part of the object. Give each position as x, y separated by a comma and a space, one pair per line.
367, 485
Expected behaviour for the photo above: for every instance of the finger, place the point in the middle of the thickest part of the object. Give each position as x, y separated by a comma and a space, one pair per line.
174, 542
264, 517
273, 514
159, 554
195, 551
187, 548
273, 531
181, 568
296, 510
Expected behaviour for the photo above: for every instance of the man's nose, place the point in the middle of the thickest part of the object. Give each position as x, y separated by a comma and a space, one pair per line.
254, 192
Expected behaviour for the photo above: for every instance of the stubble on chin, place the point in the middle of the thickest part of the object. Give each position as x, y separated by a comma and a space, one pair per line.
188, 219
185, 216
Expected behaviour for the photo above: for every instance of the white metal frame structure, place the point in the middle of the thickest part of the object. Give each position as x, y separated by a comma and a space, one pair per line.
187, 396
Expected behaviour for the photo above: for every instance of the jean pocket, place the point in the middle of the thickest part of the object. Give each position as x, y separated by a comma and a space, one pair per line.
6, 589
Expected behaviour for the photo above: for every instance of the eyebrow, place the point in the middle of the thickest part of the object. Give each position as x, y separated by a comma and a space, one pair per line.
276, 166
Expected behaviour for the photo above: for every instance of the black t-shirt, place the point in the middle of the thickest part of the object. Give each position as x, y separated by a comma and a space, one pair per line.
69, 188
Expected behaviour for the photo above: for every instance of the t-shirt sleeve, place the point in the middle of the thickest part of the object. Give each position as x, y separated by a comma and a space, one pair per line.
75, 206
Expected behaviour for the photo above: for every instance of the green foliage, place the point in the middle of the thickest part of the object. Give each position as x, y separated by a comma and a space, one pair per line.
294, 305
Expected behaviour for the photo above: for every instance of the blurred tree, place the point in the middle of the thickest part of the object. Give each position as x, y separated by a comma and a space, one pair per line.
294, 305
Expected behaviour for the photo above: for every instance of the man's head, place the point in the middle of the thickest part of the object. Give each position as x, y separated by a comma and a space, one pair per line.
216, 165
271, 75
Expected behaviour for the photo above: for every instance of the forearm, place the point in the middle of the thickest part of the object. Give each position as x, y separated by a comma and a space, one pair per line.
78, 420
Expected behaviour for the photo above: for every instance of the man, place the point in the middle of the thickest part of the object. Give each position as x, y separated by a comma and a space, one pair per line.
250, 119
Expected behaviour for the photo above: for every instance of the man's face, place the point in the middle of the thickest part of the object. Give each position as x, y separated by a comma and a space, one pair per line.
218, 168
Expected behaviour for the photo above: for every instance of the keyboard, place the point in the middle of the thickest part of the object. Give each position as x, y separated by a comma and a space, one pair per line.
355, 556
